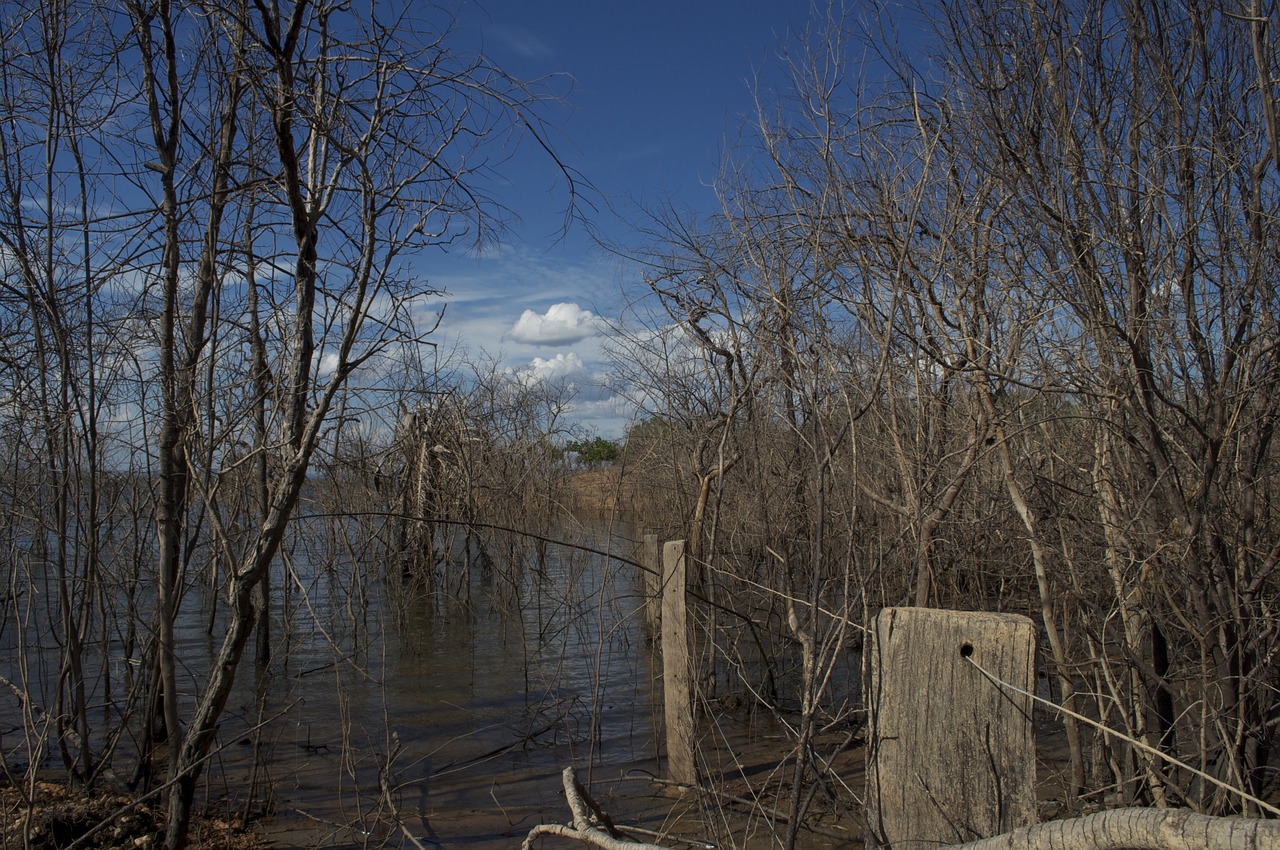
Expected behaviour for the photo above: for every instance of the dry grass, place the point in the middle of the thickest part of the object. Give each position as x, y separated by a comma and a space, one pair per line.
596, 492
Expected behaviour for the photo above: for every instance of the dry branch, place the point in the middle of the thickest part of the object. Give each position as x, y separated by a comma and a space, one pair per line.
1138, 829
583, 828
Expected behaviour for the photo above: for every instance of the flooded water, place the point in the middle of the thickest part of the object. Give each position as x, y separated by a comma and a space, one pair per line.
397, 718
453, 717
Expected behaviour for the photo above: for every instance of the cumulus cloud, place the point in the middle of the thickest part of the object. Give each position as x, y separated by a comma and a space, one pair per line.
328, 364
562, 324
562, 367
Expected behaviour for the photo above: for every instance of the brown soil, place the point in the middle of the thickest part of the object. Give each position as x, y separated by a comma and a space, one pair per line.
54, 817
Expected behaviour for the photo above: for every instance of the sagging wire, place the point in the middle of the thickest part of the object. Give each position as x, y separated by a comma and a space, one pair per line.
1106, 730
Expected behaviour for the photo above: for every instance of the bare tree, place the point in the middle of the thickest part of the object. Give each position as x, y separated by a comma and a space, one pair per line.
1038, 258
368, 130
1126, 138
210, 224
59, 257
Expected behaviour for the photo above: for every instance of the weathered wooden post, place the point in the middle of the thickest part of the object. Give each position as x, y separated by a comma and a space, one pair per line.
651, 581
950, 755
676, 677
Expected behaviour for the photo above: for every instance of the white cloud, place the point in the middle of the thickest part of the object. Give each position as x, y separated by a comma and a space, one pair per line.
562, 367
328, 364
562, 324
610, 417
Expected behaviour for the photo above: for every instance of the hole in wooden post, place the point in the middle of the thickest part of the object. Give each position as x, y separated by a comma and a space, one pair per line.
966, 650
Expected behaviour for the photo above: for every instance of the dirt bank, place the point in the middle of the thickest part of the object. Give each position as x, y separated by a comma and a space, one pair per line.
52, 816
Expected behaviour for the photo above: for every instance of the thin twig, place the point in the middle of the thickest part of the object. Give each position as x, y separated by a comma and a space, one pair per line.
1146, 748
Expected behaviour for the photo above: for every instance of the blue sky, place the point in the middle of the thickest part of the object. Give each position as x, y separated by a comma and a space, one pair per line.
653, 89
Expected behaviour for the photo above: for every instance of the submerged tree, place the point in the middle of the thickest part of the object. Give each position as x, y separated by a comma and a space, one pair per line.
216, 231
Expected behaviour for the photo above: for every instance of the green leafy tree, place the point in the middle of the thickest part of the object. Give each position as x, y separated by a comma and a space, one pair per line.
594, 452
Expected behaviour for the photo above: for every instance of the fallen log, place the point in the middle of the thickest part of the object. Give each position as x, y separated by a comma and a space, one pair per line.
1138, 829
1115, 829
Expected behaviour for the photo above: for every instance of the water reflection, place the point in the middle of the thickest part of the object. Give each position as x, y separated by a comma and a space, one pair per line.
457, 715
395, 717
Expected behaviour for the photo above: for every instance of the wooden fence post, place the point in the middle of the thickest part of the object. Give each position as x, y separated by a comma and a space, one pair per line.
651, 581
950, 755
676, 677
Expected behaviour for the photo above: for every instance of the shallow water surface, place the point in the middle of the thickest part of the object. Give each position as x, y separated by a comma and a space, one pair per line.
394, 716
448, 719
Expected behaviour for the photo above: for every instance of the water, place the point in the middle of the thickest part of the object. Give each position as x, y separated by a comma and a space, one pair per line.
389, 717
453, 718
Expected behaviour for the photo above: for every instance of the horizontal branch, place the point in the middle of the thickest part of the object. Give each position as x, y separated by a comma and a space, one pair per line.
1138, 829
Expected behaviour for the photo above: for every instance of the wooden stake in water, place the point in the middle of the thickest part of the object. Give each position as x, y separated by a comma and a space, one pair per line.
950, 755
676, 677
651, 581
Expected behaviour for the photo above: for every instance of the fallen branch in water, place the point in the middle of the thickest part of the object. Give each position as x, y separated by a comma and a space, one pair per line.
584, 828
